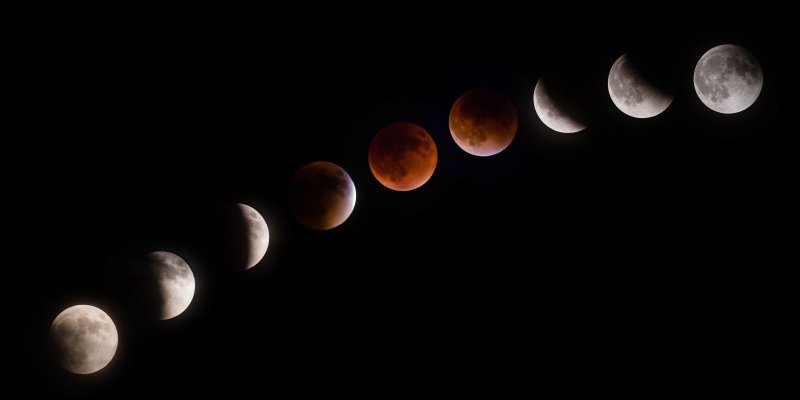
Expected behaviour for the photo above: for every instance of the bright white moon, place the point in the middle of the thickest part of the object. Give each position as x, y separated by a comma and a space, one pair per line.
257, 233
728, 79
85, 338
175, 282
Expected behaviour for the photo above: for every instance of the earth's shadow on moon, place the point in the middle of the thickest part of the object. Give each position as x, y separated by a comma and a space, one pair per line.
370, 191
135, 282
655, 68
567, 90
485, 74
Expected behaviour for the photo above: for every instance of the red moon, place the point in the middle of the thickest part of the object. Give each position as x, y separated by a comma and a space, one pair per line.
322, 195
402, 156
483, 122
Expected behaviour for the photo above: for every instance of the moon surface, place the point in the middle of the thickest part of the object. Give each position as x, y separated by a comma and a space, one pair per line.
85, 338
728, 79
552, 114
257, 234
322, 195
632, 93
402, 156
483, 122
175, 282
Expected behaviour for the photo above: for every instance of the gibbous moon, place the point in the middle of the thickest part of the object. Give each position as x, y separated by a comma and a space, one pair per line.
632, 93
728, 79
175, 282
85, 339
257, 234
483, 122
402, 156
551, 113
322, 195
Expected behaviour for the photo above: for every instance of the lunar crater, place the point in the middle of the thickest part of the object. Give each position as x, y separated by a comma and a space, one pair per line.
483, 122
402, 156
632, 90
728, 79
85, 339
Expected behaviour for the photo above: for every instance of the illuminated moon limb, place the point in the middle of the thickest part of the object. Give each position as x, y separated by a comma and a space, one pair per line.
322, 195
483, 122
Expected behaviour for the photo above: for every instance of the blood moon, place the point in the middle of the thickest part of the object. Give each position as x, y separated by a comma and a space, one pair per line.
483, 122
402, 156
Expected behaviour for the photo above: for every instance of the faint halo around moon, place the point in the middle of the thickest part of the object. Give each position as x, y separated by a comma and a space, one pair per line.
552, 114
483, 122
85, 338
322, 195
257, 234
632, 93
402, 156
728, 79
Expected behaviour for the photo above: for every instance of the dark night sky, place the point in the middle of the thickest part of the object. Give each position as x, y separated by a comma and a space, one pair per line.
596, 258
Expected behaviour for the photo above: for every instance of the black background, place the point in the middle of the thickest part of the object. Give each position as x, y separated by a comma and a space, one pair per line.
636, 252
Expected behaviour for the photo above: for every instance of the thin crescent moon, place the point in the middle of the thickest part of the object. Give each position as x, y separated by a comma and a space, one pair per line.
257, 234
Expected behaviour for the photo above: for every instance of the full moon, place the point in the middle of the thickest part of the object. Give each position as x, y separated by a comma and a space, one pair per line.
257, 234
322, 195
551, 113
483, 122
402, 156
728, 79
632, 93
175, 282
85, 339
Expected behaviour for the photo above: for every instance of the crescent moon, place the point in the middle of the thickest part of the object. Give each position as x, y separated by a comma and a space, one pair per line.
632, 94
257, 234
551, 113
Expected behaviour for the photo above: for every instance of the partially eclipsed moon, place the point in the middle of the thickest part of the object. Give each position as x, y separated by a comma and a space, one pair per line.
175, 282
322, 195
728, 79
85, 339
402, 156
257, 234
633, 94
552, 114
483, 122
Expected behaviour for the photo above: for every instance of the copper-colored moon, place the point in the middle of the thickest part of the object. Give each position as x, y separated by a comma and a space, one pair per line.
322, 195
483, 122
402, 156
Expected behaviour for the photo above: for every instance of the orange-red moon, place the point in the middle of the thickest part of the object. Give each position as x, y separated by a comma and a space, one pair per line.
402, 156
483, 122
